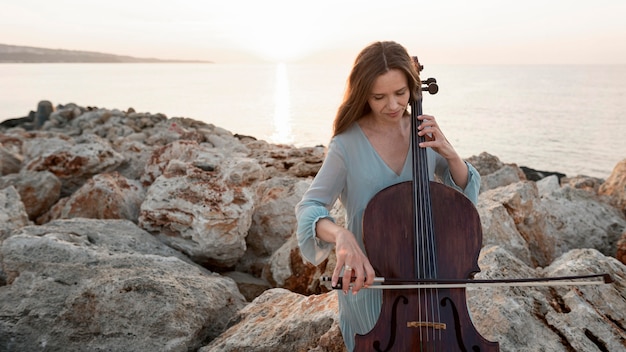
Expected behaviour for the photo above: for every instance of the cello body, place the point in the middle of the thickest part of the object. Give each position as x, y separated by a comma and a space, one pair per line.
423, 319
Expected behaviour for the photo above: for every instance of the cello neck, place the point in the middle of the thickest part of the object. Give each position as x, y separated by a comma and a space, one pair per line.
425, 249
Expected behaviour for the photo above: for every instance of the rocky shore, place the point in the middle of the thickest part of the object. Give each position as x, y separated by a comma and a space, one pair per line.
128, 231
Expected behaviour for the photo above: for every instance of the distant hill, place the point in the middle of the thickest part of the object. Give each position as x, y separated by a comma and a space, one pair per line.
28, 54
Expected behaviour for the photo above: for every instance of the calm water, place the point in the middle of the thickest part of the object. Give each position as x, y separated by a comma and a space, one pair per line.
557, 118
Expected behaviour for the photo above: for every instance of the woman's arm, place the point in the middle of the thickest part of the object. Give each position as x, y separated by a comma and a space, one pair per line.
317, 231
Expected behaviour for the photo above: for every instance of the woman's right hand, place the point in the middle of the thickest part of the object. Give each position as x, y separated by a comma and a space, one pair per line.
357, 271
349, 255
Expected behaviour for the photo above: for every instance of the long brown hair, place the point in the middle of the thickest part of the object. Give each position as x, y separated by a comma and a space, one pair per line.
373, 61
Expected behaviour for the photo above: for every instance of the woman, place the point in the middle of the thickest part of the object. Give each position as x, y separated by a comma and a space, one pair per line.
370, 150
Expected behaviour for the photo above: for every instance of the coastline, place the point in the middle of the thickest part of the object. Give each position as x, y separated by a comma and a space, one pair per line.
16, 54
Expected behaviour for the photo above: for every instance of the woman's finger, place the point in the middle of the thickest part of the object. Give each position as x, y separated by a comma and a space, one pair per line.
347, 278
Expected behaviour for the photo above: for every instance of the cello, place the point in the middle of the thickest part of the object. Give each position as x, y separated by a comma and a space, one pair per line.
434, 233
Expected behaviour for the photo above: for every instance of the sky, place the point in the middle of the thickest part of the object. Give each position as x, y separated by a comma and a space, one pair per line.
234, 31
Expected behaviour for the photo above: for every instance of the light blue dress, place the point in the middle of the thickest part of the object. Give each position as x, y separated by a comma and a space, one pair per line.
353, 172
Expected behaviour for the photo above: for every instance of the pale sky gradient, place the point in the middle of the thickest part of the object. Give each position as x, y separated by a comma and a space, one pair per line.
438, 31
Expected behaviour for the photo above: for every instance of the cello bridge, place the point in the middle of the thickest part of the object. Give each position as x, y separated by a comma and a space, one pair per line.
421, 324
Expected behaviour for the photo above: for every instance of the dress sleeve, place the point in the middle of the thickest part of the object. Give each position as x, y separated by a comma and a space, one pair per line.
316, 204
473, 178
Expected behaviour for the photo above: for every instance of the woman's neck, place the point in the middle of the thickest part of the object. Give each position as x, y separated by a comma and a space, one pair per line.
395, 129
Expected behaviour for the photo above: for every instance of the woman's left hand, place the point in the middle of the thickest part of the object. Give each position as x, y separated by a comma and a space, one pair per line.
435, 139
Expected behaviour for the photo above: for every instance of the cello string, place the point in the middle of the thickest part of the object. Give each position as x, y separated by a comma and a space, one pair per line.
424, 228
419, 259
427, 231
432, 250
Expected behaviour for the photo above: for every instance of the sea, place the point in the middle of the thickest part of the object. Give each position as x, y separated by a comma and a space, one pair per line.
562, 118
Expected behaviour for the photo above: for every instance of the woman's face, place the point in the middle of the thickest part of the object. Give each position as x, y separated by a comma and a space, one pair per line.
389, 96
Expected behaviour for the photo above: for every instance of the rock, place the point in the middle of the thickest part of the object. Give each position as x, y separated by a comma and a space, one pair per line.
280, 320
39, 190
589, 317
499, 228
548, 185
576, 218
536, 175
10, 162
305, 162
25, 122
563, 318
287, 269
136, 157
509, 316
521, 201
589, 184
273, 221
621, 248
204, 214
615, 186
73, 161
140, 122
34, 145
250, 286
44, 109
278, 159
184, 151
104, 196
12, 213
504, 176
485, 163
173, 133
494, 173
78, 285
558, 220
